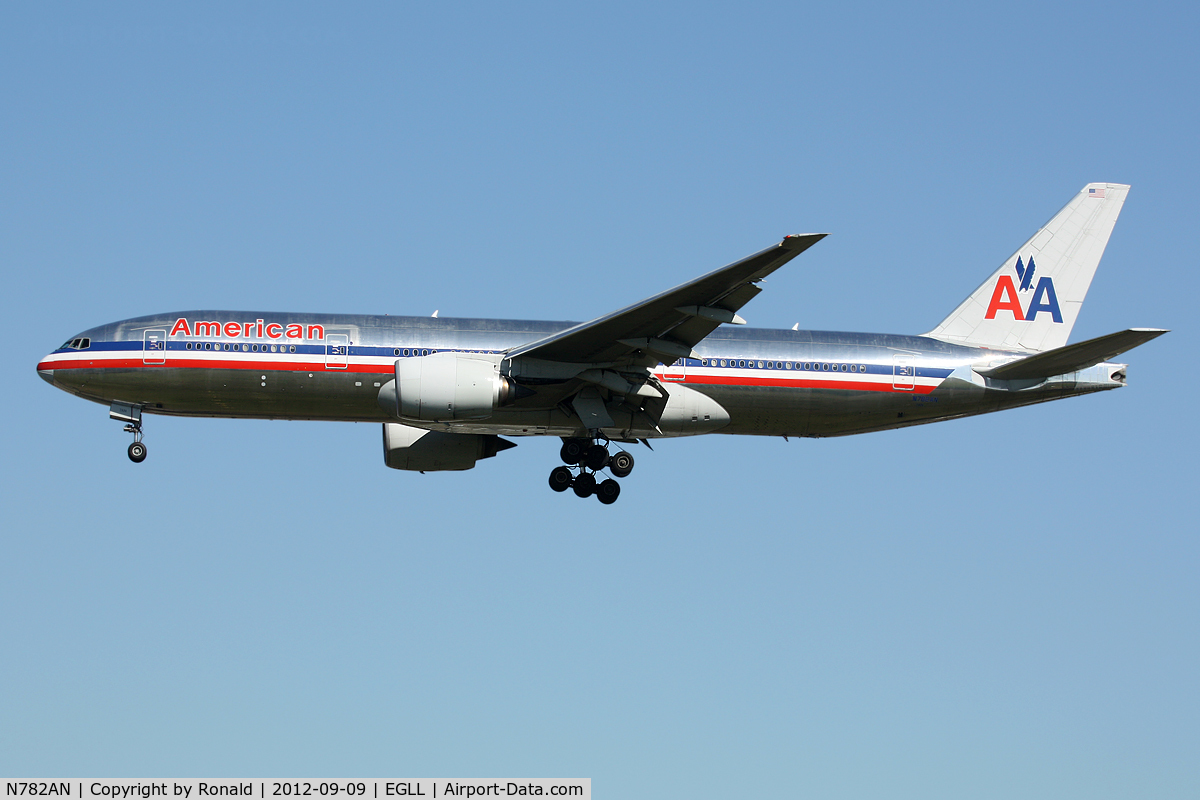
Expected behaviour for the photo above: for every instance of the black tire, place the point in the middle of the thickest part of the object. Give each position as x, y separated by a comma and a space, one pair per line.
584, 485
560, 479
608, 491
621, 464
137, 452
572, 450
596, 457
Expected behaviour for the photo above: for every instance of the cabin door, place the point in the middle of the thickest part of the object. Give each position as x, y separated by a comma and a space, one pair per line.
904, 373
337, 351
154, 347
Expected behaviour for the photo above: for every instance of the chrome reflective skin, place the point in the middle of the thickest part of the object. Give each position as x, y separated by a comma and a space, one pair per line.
679, 363
760, 400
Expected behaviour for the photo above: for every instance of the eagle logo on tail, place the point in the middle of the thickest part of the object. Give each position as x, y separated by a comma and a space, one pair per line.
1025, 273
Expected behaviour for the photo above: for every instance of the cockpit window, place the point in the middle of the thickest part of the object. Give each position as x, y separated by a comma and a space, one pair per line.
77, 344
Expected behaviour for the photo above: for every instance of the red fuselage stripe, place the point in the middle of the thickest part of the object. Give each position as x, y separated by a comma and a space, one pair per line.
799, 380
254, 366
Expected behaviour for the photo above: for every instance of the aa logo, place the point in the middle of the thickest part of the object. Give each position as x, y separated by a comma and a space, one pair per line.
1006, 298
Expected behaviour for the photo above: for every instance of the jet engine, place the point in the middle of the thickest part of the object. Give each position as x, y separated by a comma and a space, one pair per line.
446, 386
405, 447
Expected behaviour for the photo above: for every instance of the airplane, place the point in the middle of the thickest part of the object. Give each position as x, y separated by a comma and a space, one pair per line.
680, 363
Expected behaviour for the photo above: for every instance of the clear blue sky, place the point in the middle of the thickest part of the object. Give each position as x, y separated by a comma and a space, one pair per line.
1005, 606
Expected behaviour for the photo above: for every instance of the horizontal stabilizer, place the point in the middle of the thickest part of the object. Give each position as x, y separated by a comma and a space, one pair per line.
1073, 357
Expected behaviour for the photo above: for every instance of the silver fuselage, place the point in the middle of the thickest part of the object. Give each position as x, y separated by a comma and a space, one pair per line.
332, 367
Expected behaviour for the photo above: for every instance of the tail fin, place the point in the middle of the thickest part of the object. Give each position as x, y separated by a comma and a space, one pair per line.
1031, 302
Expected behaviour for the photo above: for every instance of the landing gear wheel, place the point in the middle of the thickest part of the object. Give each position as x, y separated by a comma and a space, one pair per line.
584, 485
621, 464
608, 491
572, 450
560, 479
595, 457
137, 452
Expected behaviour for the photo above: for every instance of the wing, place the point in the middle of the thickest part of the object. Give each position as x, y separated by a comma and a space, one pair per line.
667, 326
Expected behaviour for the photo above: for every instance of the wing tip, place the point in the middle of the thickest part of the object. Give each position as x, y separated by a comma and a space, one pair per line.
801, 240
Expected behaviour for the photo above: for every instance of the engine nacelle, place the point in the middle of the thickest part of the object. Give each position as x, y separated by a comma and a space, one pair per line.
405, 447
446, 386
689, 412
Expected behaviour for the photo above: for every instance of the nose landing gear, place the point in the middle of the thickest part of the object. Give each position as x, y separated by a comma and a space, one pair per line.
132, 416
589, 457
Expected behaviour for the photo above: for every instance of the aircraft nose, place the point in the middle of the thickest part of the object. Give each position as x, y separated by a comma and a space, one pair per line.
45, 371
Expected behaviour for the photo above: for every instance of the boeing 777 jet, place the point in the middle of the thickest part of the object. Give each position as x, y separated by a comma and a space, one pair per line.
680, 363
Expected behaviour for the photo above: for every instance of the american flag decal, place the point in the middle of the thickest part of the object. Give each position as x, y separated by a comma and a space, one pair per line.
1098, 193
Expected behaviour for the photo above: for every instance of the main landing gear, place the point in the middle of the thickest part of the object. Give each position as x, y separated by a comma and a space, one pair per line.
585, 458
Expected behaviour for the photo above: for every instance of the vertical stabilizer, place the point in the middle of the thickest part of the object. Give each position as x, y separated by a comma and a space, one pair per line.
1032, 301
